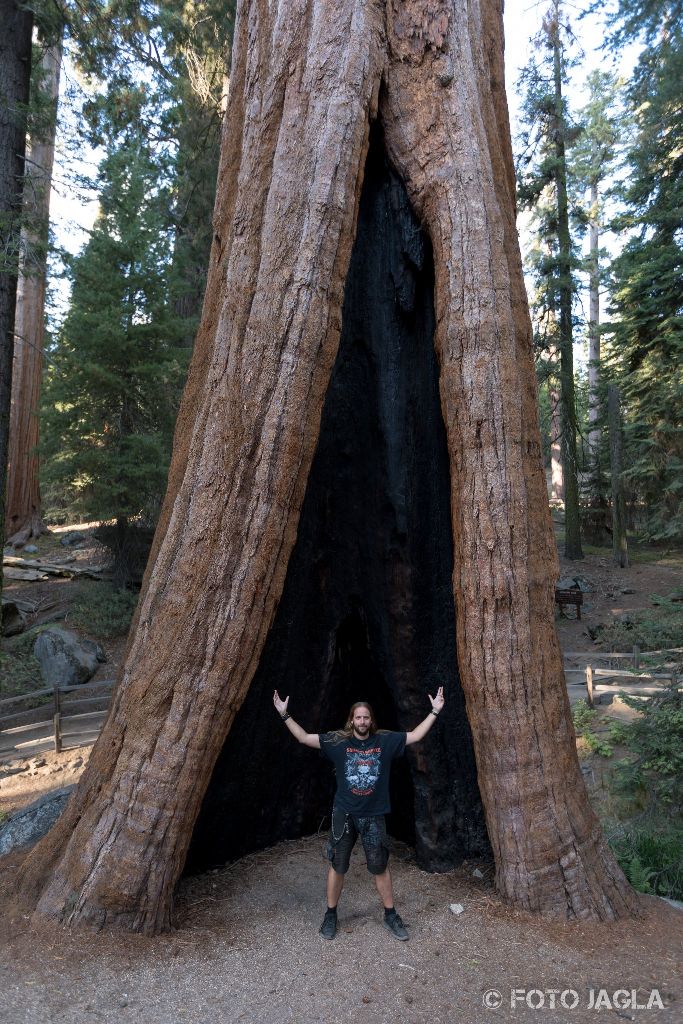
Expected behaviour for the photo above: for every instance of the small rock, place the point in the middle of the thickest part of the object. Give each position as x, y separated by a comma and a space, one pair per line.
627, 590
456, 908
77, 763
30, 549
367, 999
123, 1001
477, 873
38, 762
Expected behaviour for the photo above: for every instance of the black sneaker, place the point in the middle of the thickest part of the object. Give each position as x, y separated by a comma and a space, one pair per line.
328, 929
396, 927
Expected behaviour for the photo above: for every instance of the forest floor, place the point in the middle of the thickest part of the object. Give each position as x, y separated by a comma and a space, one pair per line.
247, 948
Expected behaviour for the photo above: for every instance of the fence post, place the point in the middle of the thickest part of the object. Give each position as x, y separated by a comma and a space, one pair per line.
57, 721
589, 684
636, 657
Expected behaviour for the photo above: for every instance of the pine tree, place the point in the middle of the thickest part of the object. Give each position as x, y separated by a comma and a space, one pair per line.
182, 51
646, 332
548, 134
117, 368
592, 166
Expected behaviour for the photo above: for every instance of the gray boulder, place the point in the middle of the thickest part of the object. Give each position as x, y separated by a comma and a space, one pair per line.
73, 539
64, 659
26, 826
574, 583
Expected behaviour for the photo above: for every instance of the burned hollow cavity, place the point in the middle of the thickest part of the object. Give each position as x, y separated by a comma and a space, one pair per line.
367, 609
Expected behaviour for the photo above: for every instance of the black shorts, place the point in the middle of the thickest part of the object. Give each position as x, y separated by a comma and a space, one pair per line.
343, 835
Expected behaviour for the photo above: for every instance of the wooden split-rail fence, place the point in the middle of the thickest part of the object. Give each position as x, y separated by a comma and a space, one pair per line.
597, 674
52, 714
594, 676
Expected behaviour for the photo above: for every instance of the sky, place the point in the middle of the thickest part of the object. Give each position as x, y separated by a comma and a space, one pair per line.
73, 211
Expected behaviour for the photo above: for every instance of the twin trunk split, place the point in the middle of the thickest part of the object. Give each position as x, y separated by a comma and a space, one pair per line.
308, 81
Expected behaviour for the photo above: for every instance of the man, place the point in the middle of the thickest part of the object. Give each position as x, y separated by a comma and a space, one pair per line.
362, 756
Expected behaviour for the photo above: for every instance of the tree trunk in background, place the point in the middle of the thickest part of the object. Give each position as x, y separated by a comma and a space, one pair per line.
594, 329
23, 517
619, 539
303, 93
572, 527
556, 475
15, 77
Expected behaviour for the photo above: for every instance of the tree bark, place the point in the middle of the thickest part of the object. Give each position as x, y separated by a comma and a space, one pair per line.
307, 80
15, 77
594, 327
23, 513
572, 527
556, 474
619, 537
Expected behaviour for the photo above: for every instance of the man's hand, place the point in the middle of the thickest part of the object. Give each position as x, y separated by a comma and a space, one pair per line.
438, 701
281, 705
421, 730
309, 739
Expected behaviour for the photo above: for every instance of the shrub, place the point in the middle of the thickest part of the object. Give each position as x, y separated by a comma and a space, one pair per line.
652, 860
583, 716
103, 610
649, 782
650, 630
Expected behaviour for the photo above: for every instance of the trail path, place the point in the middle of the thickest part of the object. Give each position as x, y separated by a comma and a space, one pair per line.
247, 949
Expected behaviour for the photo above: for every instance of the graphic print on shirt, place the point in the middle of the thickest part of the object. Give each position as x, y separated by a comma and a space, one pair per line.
362, 769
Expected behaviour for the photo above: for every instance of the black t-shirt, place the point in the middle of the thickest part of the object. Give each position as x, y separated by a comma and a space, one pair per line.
362, 768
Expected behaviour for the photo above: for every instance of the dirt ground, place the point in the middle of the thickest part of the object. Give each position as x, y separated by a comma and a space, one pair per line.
246, 946
247, 949
607, 600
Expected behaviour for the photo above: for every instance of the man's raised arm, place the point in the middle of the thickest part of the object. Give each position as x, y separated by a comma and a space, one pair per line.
309, 739
421, 730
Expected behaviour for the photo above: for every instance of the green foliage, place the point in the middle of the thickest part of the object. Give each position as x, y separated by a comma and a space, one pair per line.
19, 670
655, 737
182, 53
117, 367
651, 860
103, 610
583, 716
651, 630
649, 786
646, 332
548, 133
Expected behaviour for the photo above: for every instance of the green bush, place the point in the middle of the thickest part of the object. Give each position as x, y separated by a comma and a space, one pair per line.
650, 630
656, 740
583, 716
103, 610
649, 783
651, 860
19, 670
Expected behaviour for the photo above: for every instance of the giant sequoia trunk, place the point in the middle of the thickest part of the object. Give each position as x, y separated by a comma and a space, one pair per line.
15, 78
23, 515
308, 80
